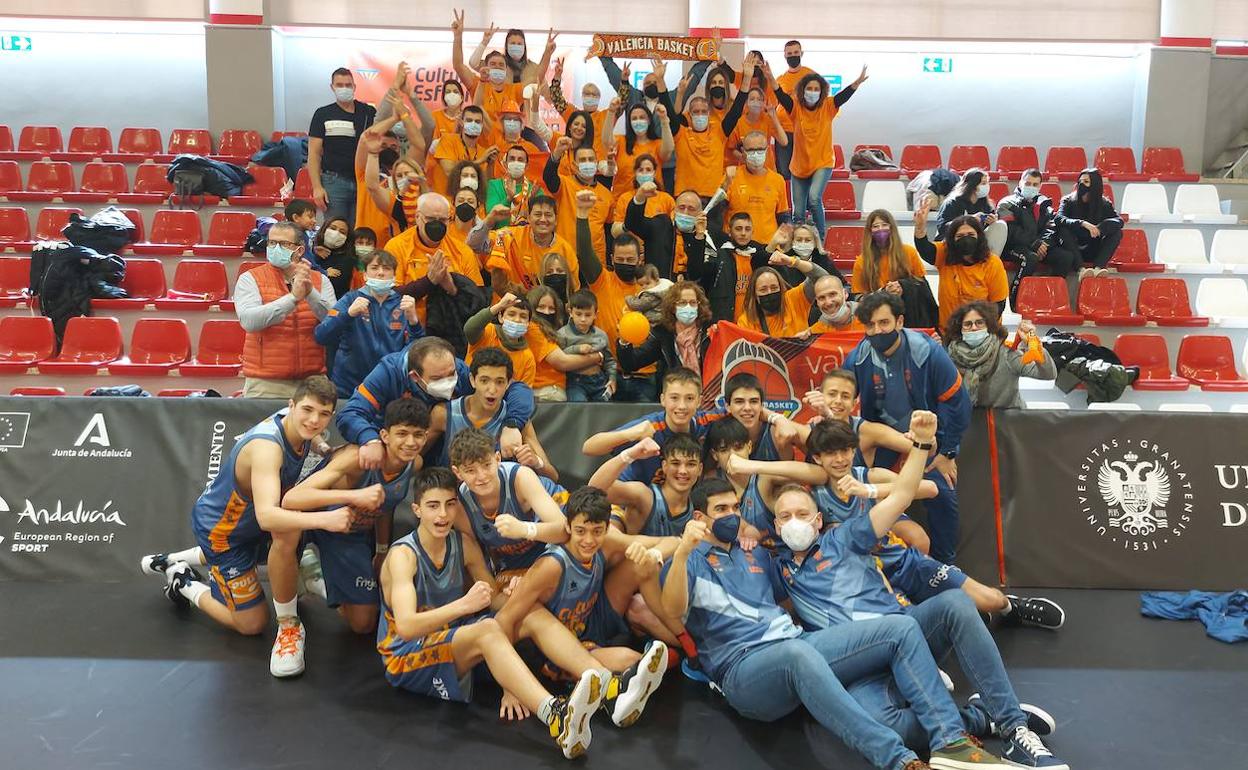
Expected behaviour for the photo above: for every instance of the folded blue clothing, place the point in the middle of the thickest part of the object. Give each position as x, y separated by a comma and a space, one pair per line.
1225, 615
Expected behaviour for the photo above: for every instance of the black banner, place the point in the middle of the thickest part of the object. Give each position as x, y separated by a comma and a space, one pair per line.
1125, 499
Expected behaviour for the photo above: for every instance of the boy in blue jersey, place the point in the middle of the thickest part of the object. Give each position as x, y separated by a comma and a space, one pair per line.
767, 667
772, 435
233, 514
658, 509
427, 370
368, 323
585, 584
492, 371
728, 439
434, 587
349, 561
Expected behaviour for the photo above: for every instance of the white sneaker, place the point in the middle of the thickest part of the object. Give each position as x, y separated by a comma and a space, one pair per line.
287, 657
945, 679
311, 578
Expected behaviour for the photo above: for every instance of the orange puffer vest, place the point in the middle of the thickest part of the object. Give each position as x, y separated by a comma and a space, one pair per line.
285, 350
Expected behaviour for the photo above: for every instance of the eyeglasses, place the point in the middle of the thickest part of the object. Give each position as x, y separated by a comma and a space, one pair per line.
977, 324
285, 244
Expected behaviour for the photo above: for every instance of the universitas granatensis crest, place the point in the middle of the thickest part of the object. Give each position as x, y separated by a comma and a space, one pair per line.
1137, 492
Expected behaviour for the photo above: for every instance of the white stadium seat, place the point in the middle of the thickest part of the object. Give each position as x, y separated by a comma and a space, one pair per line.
1147, 202
1183, 249
1185, 408
1224, 301
887, 195
1230, 249
1199, 203
1113, 406
1054, 405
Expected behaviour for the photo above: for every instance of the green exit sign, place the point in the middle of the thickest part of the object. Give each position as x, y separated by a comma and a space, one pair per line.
14, 43
943, 64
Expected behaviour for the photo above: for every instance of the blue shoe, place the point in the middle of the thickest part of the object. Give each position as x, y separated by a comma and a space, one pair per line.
1023, 748
692, 672
1039, 721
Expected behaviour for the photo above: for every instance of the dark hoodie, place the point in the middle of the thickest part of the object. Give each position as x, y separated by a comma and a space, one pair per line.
1088, 204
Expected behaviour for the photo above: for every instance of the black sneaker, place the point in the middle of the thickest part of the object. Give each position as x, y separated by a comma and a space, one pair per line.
569, 719
177, 577
1034, 611
628, 692
1039, 721
155, 564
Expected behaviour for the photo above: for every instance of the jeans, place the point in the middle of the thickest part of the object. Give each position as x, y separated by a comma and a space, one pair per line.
808, 198
587, 387
643, 390
771, 682
340, 195
783, 156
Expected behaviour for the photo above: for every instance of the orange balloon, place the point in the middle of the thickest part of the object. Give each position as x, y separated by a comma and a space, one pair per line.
634, 328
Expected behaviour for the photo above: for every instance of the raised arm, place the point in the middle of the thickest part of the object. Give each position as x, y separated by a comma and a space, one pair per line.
676, 584
885, 513
333, 486
629, 493
467, 73
605, 442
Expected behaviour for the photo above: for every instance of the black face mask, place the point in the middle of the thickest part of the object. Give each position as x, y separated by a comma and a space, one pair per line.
435, 231
549, 318
770, 303
651, 91
465, 212
966, 245
626, 273
793, 61
558, 282
718, 92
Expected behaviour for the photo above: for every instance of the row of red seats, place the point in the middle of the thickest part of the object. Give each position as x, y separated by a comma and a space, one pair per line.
1164, 164
134, 145
1105, 301
1204, 360
198, 284
102, 182
93, 343
173, 231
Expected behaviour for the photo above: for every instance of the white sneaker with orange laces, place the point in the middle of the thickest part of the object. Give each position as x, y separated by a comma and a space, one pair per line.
287, 657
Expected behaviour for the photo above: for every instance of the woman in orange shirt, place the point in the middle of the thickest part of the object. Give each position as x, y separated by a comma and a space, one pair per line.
774, 309
761, 117
812, 113
884, 259
446, 120
967, 267
642, 136
646, 169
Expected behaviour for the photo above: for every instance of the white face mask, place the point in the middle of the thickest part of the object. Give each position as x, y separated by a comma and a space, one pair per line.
837, 318
516, 168
511, 126
803, 248
982, 191
452, 99
468, 181
334, 239
798, 534
364, 251
442, 389
344, 94
755, 158
590, 103
1030, 193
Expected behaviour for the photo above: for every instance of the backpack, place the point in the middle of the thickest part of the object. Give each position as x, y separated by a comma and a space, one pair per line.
188, 183
871, 159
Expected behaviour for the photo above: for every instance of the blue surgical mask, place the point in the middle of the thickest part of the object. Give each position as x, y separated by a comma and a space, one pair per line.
587, 168
590, 103
725, 528
515, 50
811, 97
515, 329
975, 337
685, 222
379, 285
700, 122
472, 129
497, 76
640, 126
279, 256
982, 191
511, 126
1029, 193
686, 314
644, 178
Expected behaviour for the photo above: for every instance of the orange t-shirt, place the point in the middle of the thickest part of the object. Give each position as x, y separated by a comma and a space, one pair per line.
790, 321
520, 257
661, 203
368, 215
762, 196
443, 124
744, 127
960, 284
413, 257
626, 161
565, 213
700, 159
522, 361
493, 97
451, 148
854, 325
859, 282
610, 292
812, 137
788, 83
541, 346
743, 279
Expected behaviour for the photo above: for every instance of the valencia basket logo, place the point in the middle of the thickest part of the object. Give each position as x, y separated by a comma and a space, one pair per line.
1135, 493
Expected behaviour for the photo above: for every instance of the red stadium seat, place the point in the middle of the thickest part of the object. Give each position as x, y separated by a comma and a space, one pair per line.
1209, 361
227, 232
101, 182
6, 139
303, 184
144, 282
265, 191
173, 232
198, 284
39, 141
37, 391
997, 191
1165, 302
1165, 164
843, 245
1118, 163
1013, 160
192, 141
151, 184
52, 220
839, 170
24, 342
1132, 255
15, 229
46, 181
1052, 191
1065, 162
278, 136
1149, 352
91, 342
87, 143
220, 351
136, 144
1043, 299
156, 347
967, 156
134, 216
14, 280
238, 145
919, 157
839, 201
880, 173
245, 265
1106, 302
10, 177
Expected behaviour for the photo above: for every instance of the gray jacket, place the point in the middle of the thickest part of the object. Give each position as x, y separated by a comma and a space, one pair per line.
1000, 388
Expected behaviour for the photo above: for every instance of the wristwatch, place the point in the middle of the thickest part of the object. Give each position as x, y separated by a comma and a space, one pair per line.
952, 454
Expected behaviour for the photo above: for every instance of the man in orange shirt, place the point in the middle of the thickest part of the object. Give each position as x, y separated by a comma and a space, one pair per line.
566, 187
516, 253
414, 247
787, 82
758, 191
835, 313
508, 135
472, 142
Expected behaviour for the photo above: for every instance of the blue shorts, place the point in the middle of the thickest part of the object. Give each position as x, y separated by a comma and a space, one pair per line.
234, 580
603, 625
425, 666
920, 577
347, 566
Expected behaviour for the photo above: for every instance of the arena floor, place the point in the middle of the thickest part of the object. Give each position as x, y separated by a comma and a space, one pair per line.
112, 676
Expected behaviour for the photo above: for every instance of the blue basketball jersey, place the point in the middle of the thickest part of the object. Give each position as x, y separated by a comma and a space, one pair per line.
226, 517
505, 553
457, 420
661, 522
434, 587
767, 451
578, 590
838, 511
756, 512
855, 422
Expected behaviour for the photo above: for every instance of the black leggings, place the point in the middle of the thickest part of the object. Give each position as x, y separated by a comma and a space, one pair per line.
1058, 260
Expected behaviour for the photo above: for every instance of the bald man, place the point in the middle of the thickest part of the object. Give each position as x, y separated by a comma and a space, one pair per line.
415, 248
836, 313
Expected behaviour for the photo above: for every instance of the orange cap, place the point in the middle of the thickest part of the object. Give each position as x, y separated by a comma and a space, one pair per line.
510, 106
